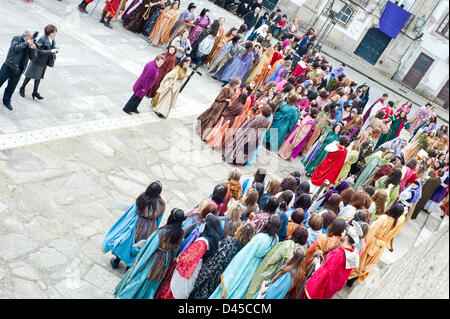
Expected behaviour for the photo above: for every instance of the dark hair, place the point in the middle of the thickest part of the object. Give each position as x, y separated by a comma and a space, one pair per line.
313, 112
213, 232
296, 174
412, 163
150, 198
236, 38
243, 28
298, 216
183, 60
391, 103
288, 183
333, 203
191, 6
380, 114
369, 190
173, 225
344, 141
315, 221
284, 199
394, 178
202, 14
346, 195
303, 202
395, 212
260, 189
272, 227
260, 175
219, 193
50, 29
337, 227
215, 26
328, 217
359, 217
271, 205
303, 188
300, 235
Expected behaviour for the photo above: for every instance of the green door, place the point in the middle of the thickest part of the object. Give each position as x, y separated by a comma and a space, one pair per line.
373, 45
269, 4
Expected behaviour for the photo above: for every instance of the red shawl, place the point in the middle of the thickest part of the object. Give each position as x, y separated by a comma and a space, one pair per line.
330, 167
189, 259
330, 277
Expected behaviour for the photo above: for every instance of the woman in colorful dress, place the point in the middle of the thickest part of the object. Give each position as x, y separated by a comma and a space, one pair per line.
318, 153
391, 184
169, 63
297, 138
352, 157
186, 17
138, 223
353, 127
274, 260
237, 276
167, 94
161, 30
143, 279
200, 25
213, 266
380, 236
225, 56
182, 275
424, 142
240, 64
398, 121
152, 14
133, 17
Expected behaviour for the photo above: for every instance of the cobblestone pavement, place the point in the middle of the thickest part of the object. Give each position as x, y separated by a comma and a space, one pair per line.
68, 163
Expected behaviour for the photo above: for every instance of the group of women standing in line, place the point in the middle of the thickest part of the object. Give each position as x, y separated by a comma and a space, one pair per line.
261, 239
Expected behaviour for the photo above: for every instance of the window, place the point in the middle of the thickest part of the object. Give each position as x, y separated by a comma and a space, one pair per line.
344, 16
443, 28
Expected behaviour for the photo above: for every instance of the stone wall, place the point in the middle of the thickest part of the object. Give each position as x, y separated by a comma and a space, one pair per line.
423, 273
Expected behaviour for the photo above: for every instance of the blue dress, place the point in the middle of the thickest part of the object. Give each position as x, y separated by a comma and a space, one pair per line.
280, 288
284, 121
239, 273
135, 284
238, 67
120, 239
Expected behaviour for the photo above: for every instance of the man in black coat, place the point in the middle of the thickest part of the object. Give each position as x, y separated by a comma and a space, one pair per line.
22, 49
250, 19
274, 17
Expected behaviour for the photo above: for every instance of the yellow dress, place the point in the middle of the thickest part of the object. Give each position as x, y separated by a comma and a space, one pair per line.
261, 66
166, 96
161, 30
380, 236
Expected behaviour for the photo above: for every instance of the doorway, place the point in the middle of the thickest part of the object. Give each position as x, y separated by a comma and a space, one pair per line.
373, 45
418, 70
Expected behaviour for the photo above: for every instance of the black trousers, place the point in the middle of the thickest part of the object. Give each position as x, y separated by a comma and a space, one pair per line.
132, 103
7, 74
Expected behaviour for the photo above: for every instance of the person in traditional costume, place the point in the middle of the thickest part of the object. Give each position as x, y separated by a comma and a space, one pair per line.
167, 94
274, 260
284, 120
205, 43
373, 110
161, 30
237, 276
240, 64
326, 242
352, 128
372, 163
170, 61
133, 16
221, 41
291, 275
433, 204
214, 265
143, 279
398, 122
225, 57
144, 83
110, 10
182, 275
200, 25
297, 138
380, 236
352, 157
208, 119
406, 107
261, 68
152, 14
334, 272
186, 17
82, 6
428, 189
364, 95
317, 155
409, 173
232, 117
138, 223
425, 142
331, 166
419, 117
388, 110
410, 196
260, 219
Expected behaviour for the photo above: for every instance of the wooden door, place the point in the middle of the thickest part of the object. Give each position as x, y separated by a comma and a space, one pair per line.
373, 45
443, 95
418, 70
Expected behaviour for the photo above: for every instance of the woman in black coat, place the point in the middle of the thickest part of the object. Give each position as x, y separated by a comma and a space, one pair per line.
45, 49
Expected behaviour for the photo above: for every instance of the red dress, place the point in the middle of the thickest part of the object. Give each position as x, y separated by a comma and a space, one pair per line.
330, 277
112, 6
330, 167
168, 65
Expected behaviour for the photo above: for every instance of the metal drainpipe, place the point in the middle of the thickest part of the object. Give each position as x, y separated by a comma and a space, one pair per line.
320, 14
397, 71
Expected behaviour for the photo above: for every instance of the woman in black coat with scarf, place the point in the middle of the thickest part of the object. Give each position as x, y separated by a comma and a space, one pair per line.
45, 50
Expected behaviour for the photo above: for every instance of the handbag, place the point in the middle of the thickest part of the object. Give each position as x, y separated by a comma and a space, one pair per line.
51, 60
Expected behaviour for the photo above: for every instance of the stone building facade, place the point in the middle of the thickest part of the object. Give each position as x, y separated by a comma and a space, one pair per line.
418, 56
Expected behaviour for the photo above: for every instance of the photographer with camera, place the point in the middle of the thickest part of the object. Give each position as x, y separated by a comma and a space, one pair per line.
21, 50
45, 56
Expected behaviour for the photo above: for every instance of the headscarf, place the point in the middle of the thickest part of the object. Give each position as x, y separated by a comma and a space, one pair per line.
337, 71
213, 232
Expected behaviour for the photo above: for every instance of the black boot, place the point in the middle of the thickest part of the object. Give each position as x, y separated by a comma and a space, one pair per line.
82, 7
36, 95
22, 91
104, 13
108, 23
115, 262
